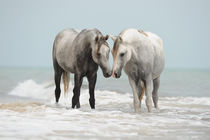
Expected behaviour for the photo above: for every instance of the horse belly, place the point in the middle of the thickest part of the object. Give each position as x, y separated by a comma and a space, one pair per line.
65, 62
158, 57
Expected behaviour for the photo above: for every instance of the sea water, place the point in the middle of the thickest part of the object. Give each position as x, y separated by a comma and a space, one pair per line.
28, 110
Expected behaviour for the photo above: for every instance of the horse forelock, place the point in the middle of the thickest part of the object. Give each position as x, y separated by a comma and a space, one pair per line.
114, 53
100, 43
115, 48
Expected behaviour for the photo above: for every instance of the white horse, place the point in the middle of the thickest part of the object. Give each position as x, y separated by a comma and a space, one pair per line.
142, 57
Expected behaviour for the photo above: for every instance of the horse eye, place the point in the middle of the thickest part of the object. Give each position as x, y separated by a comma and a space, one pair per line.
99, 54
122, 54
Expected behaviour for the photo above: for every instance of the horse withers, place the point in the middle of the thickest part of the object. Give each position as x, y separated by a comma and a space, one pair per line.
80, 53
142, 57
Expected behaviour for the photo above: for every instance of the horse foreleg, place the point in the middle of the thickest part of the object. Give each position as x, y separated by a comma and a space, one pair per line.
77, 85
136, 102
156, 84
92, 82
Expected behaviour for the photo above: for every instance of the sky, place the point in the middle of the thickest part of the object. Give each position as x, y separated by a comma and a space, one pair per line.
28, 27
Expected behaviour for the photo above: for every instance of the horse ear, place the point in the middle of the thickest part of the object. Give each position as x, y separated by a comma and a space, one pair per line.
120, 38
97, 38
113, 37
106, 37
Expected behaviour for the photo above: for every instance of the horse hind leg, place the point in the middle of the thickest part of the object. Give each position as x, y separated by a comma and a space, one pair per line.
156, 84
57, 77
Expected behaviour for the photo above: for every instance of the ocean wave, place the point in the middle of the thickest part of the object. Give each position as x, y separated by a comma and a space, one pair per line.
45, 91
31, 89
114, 117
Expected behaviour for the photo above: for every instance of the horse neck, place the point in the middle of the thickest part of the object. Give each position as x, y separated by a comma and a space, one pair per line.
82, 49
83, 45
133, 52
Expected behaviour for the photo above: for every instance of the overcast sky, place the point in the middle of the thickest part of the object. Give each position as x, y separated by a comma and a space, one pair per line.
28, 28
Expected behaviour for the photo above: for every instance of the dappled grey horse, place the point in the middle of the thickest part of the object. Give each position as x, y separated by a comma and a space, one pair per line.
80, 53
142, 57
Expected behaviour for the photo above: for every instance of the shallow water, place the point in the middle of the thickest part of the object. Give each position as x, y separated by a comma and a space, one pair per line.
32, 114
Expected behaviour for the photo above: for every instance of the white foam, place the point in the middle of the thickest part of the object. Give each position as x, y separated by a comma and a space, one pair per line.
45, 91
30, 88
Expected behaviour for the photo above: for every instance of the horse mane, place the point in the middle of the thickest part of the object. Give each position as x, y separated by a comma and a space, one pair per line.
142, 32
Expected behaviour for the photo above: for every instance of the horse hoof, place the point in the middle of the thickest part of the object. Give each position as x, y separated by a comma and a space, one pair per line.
137, 110
67, 107
78, 105
150, 110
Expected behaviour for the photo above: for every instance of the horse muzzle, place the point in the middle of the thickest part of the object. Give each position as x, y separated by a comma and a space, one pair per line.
116, 74
107, 74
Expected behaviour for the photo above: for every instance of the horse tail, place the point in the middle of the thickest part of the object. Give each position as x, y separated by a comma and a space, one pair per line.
66, 82
142, 92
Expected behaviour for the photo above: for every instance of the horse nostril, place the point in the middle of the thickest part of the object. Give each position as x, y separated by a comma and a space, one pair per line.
115, 74
107, 74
